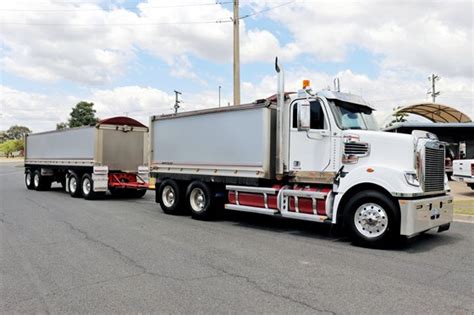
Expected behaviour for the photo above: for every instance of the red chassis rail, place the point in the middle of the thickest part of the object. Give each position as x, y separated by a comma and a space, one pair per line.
127, 181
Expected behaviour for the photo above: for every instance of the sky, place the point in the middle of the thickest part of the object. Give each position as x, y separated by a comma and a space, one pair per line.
128, 56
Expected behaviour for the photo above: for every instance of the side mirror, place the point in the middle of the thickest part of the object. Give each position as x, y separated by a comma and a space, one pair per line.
304, 116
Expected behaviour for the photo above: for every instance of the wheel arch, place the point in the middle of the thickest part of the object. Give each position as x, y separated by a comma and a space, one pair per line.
358, 188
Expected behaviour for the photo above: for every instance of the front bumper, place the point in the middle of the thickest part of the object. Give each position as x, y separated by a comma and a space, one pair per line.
418, 215
466, 179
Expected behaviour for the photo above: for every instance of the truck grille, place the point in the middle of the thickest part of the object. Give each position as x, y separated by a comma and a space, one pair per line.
434, 169
356, 148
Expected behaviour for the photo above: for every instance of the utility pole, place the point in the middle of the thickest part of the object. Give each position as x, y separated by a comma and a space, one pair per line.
176, 102
433, 78
220, 96
236, 21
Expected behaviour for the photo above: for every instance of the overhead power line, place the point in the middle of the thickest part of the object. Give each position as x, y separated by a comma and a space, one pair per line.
266, 10
116, 24
118, 7
218, 21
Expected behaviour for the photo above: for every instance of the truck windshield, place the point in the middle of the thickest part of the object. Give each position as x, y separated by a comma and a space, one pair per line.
353, 116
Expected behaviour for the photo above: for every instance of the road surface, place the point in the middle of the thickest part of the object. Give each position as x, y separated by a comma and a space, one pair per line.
64, 255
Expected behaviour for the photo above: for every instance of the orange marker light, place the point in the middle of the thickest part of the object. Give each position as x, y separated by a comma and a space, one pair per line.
370, 170
306, 83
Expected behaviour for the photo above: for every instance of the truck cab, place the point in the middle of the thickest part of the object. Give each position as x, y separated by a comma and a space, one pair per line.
333, 138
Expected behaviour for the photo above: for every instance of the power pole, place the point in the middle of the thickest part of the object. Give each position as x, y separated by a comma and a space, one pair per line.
176, 102
236, 20
220, 96
433, 78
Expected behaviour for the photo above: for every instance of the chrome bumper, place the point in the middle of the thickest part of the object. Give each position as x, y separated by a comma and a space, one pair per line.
420, 215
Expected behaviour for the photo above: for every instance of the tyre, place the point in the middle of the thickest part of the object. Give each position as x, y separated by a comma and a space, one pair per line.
41, 182
372, 218
29, 179
169, 196
75, 187
201, 200
471, 185
87, 185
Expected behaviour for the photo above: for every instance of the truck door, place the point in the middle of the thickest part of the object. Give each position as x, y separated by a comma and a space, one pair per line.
310, 149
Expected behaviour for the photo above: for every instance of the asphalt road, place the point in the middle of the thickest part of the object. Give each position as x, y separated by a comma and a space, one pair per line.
60, 254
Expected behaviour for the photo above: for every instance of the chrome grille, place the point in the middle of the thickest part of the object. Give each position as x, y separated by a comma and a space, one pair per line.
356, 148
434, 169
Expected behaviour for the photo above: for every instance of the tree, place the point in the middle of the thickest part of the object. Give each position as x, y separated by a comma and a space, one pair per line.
397, 116
61, 125
83, 114
3, 136
17, 132
10, 146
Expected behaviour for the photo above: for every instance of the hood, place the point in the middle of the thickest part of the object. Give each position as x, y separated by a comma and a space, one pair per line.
391, 149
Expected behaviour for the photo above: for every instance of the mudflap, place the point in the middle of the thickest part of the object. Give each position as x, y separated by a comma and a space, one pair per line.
100, 176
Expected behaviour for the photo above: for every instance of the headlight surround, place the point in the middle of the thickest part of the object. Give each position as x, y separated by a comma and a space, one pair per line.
412, 179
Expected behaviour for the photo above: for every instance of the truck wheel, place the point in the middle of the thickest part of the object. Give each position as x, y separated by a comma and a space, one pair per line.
372, 218
169, 197
87, 185
75, 189
201, 200
29, 179
41, 182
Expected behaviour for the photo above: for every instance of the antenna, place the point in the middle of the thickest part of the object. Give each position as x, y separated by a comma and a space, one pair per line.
177, 102
433, 78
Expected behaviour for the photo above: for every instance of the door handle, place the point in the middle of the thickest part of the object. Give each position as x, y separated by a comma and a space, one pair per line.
317, 135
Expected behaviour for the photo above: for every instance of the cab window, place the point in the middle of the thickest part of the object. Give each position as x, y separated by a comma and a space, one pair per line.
317, 116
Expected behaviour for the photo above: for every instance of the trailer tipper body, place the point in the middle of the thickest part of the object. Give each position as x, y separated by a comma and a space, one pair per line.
309, 156
89, 161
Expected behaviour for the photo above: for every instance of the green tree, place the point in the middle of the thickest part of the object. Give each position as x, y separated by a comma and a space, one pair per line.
10, 146
83, 114
3, 136
397, 117
17, 132
61, 125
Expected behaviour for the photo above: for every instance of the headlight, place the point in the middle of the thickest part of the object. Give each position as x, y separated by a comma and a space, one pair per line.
412, 179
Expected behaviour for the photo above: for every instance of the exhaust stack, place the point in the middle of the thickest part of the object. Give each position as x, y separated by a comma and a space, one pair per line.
280, 122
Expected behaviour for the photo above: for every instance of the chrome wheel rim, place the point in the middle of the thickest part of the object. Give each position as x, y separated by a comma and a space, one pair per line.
36, 180
28, 179
197, 199
371, 220
168, 196
86, 186
72, 184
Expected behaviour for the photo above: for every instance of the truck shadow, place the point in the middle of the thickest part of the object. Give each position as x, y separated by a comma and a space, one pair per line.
424, 242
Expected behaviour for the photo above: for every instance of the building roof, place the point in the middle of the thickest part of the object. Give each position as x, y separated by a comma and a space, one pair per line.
436, 112
456, 131
121, 120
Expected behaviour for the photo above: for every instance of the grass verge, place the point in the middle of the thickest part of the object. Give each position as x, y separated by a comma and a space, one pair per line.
464, 207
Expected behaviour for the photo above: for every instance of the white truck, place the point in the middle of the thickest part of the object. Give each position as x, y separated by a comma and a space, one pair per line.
89, 161
463, 171
309, 156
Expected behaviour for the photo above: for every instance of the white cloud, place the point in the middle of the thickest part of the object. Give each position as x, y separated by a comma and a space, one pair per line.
81, 42
422, 35
134, 101
383, 93
38, 111
69, 44
41, 112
